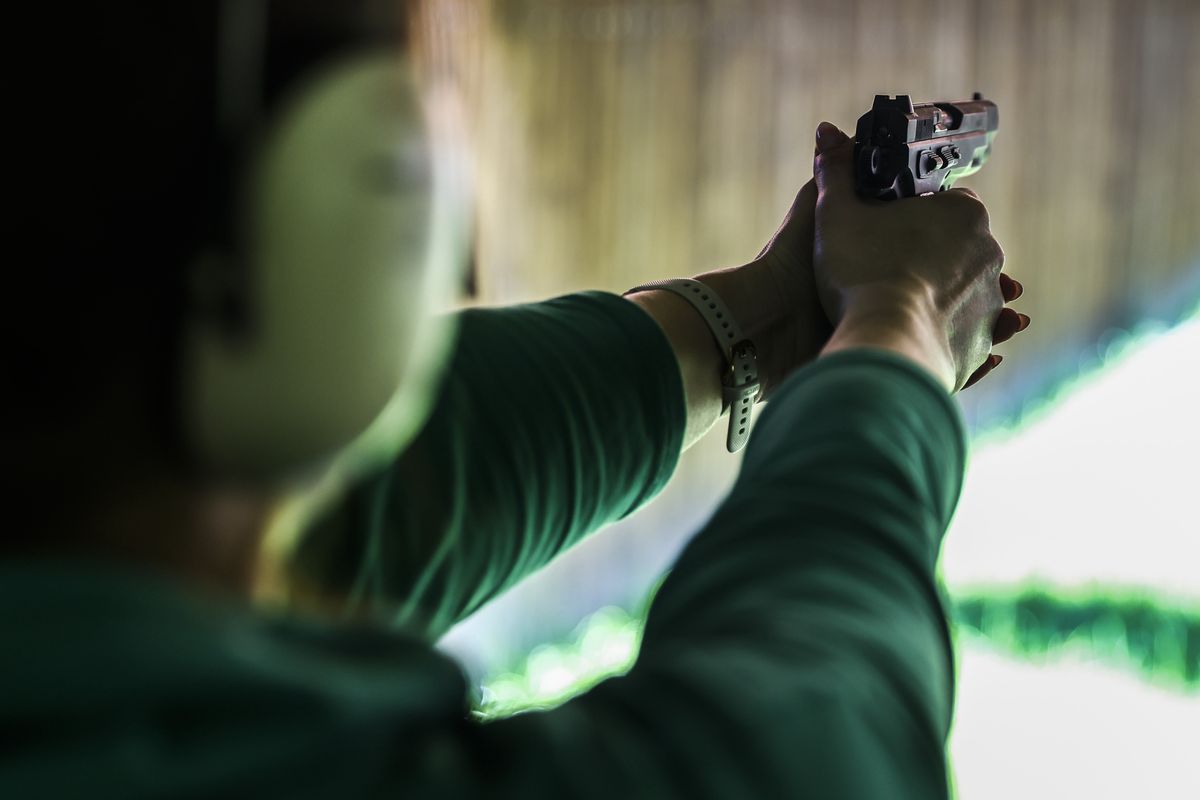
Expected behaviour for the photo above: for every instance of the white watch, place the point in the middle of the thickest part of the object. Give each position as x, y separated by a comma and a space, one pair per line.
740, 387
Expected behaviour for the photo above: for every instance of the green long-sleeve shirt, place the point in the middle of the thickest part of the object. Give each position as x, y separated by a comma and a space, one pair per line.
797, 649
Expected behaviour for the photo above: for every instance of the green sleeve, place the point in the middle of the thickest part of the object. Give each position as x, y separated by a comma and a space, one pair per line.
797, 650
555, 419
799, 647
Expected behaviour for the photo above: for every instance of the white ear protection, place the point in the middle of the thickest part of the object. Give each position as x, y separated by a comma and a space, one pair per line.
354, 242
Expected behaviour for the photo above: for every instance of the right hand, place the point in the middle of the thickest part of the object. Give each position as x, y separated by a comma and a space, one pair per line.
931, 256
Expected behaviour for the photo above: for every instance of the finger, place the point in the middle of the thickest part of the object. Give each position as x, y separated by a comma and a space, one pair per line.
1010, 288
967, 203
795, 234
967, 191
1008, 324
988, 365
833, 167
977, 375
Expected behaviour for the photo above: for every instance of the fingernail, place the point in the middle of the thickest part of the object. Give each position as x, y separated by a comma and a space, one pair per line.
996, 359
828, 135
1024, 321
1020, 289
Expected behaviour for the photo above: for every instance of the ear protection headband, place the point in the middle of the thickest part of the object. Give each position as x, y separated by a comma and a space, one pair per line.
347, 241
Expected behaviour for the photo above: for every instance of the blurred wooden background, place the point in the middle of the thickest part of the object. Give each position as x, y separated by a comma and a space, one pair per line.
623, 140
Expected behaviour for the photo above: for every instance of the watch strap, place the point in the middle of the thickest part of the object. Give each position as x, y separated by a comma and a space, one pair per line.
740, 386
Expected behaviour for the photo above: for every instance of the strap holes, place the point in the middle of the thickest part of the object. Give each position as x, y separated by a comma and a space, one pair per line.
743, 430
730, 335
719, 315
743, 422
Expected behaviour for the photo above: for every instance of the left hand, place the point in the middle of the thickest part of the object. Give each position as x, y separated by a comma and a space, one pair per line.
774, 297
1008, 325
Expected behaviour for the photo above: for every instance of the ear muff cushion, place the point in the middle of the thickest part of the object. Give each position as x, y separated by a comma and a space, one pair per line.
348, 245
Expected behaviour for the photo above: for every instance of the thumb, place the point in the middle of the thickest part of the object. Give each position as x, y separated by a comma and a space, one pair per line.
795, 235
834, 164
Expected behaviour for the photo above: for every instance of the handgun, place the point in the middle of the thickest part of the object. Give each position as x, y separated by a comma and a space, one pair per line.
904, 150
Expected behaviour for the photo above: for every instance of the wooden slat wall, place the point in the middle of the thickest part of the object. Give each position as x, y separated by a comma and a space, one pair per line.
620, 141
625, 140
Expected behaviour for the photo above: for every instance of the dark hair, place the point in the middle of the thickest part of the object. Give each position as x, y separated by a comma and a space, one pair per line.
119, 181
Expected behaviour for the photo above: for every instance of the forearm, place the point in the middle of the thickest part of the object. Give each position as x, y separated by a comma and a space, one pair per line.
700, 360
814, 582
798, 646
555, 418
903, 322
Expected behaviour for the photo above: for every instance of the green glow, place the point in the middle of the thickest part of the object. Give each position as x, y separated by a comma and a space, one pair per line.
1155, 642
1072, 565
1058, 724
1098, 487
1161, 646
603, 645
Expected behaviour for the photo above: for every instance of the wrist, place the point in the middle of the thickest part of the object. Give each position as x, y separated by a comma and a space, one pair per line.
699, 358
778, 311
752, 297
900, 318
740, 384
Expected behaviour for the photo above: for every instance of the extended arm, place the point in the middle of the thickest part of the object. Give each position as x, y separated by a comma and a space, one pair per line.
799, 647
555, 419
